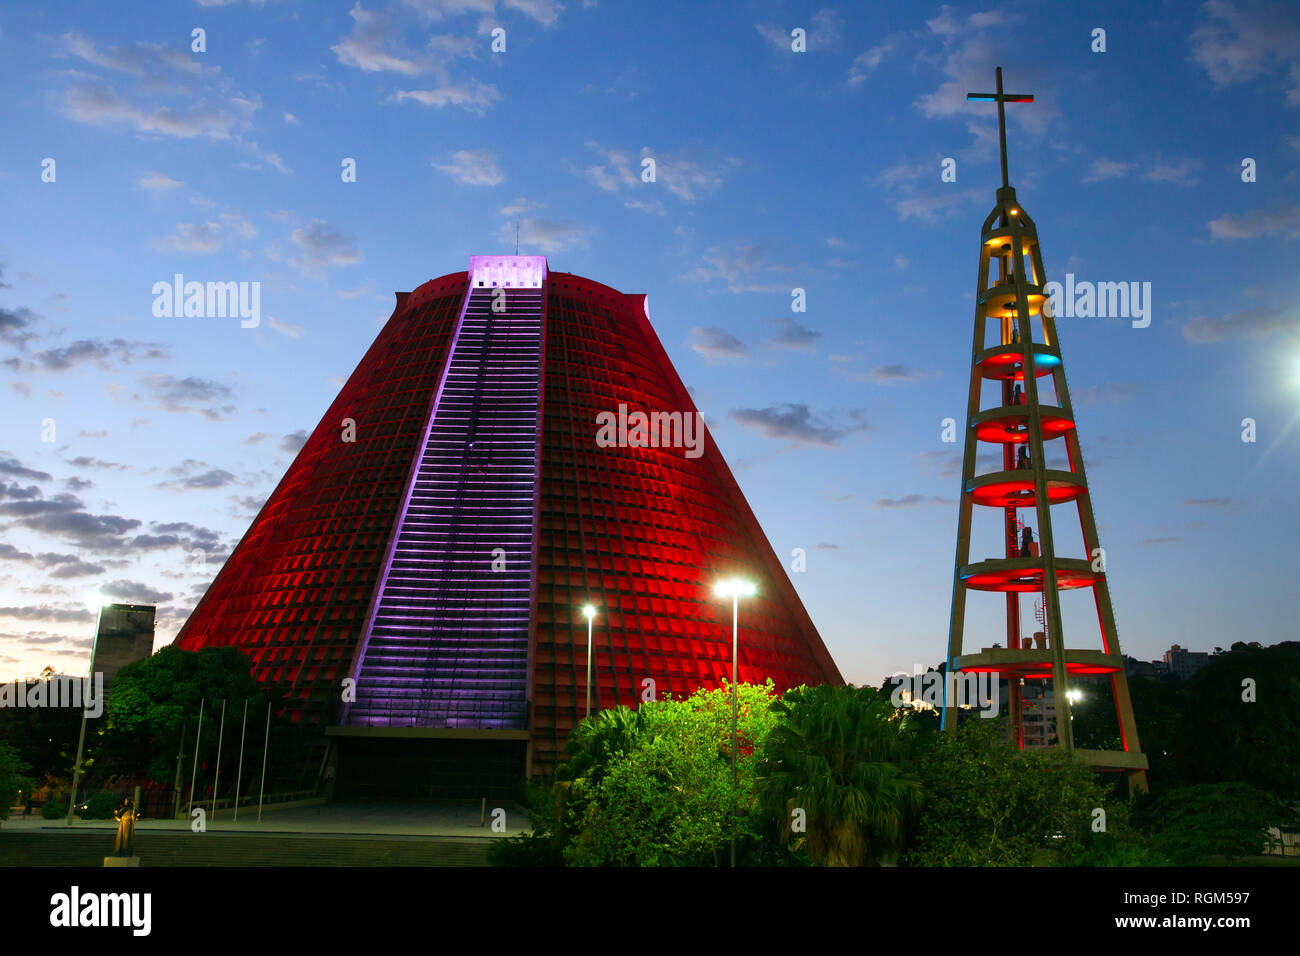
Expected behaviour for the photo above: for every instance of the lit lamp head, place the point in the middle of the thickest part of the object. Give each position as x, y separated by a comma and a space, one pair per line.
735, 587
1074, 695
588, 611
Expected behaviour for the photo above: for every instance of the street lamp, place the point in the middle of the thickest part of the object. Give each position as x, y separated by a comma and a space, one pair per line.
734, 588
96, 602
589, 613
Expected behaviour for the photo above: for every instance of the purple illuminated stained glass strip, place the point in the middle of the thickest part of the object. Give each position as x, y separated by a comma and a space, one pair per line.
447, 643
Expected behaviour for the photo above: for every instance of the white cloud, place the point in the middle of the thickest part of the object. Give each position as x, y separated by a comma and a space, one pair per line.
547, 236
822, 32
285, 328
1236, 43
366, 48
473, 97
472, 167
324, 245
238, 224
101, 106
1258, 222
715, 343
686, 177
521, 206
545, 12
1103, 169
866, 63
200, 237
157, 182
743, 266
1177, 171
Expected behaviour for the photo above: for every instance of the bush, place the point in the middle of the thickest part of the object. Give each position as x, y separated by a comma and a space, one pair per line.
530, 849
100, 807
54, 811
653, 787
12, 780
542, 845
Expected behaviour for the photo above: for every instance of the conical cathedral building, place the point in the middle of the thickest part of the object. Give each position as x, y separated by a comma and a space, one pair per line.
513, 446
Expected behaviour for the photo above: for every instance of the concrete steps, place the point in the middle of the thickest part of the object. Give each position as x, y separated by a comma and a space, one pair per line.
180, 848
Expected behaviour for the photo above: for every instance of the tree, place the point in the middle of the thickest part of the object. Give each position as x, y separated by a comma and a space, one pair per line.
151, 699
838, 756
1158, 709
13, 778
1227, 738
1195, 825
656, 789
45, 737
988, 803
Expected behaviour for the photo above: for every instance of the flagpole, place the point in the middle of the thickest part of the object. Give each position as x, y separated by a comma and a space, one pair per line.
81, 738
194, 772
265, 744
239, 774
221, 730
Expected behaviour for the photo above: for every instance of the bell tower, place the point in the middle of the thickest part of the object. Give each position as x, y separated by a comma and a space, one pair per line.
1016, 350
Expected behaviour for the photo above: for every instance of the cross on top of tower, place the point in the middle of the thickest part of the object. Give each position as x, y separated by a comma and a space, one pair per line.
1002, 99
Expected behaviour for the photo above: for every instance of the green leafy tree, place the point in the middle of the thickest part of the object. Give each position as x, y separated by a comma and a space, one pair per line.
1207, 823
598, 741
988, 803
1158, 708
153, 698
45, 737
13, 777
658, 789
1223, 738
841, 756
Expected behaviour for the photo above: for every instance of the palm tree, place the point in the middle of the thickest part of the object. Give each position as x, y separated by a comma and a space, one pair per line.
598, 739
591, 749
839, 755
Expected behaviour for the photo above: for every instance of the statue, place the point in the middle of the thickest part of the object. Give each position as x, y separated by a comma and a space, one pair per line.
125, 815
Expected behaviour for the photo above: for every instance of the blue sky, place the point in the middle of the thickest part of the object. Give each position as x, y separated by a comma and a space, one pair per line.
775, 170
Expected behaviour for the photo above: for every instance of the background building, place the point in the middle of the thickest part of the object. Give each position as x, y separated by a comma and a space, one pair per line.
438, 534
125, 634
1183, 663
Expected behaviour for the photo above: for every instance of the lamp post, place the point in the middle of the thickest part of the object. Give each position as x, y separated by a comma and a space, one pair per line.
734, 588
589, 613
98, 601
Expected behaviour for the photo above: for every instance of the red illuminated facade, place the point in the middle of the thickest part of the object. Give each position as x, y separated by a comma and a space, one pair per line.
438, 534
